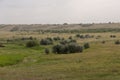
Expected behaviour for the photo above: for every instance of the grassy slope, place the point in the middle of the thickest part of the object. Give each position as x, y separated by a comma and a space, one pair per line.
100, 62
58, 27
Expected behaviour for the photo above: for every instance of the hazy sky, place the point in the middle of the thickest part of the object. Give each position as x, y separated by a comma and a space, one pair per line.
58, 11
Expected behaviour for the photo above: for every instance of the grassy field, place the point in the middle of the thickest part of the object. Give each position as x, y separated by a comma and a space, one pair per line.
99, 62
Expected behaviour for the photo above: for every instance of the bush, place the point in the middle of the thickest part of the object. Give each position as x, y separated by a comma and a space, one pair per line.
31, 38
77, 35
117, 42
74, 48
46, 41
57, 48
50, 39
65, 23
86, 46
56, 38
70, 37
73, 41
47, 51
103, 42
113, 36
67, 48
31, 44
1, 45
63, 42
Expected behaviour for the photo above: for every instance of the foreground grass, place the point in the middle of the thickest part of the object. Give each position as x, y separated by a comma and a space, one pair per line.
100, 62
10, 59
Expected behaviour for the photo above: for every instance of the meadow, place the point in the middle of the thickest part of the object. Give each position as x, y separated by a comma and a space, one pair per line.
99, 62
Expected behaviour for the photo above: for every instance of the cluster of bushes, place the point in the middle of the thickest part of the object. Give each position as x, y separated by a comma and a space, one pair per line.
71, 47
113, 36
84, 36
56, 38
67, 48
64, 46
31, 43
46, 41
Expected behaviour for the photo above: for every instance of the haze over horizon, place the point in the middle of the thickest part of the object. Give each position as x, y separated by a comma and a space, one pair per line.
58, 11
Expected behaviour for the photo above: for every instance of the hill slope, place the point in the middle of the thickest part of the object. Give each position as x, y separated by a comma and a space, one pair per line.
34, 27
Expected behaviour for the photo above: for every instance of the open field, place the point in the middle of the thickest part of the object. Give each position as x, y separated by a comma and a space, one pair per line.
99, 62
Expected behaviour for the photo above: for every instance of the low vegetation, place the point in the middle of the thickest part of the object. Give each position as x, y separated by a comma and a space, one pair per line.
67, 48
47, 41
117, 42
60, 55
31, 43
10, 59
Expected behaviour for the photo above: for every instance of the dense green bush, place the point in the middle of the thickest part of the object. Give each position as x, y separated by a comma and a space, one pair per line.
50, 39
74, 48
86, 46
63, 42
67, 48
46, 41
31, 44
56, 38
57, 48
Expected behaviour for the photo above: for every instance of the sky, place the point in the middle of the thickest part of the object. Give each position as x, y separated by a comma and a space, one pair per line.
59, 11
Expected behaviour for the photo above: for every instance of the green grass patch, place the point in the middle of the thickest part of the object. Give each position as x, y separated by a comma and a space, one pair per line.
10, 59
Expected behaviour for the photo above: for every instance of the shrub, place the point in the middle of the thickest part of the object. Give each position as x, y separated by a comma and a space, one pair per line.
67, 48
50, 39
31, 38
73, 41
1, 45
113, 36
73, 48
57, 49
56, 38
86, 46
31, 43
65, 23
77, 35
47, 51
82, 36
64, 42
70, 37
46, 41
117, 42
103, 42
